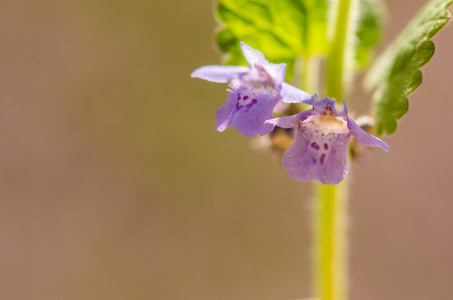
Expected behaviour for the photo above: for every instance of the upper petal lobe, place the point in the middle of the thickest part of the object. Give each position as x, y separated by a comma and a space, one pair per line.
222, 74
256, 59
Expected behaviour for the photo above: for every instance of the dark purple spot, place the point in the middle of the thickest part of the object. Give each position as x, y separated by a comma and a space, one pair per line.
313, 160
238, 106
249, 105
254, 101
246, 97
322, 158
314, 146
239, 96
326, 146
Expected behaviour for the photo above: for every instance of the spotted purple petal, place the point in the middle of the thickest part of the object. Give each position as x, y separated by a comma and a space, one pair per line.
247, 108
317, 155
320, 147
220, 74
254, 92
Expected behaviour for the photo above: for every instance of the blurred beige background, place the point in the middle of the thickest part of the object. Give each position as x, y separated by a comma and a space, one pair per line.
114, 183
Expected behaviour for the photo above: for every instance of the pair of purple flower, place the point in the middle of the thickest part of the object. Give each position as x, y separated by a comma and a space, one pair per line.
323, 134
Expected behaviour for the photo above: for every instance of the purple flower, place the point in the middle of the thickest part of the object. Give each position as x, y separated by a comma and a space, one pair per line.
320, 147
254, 91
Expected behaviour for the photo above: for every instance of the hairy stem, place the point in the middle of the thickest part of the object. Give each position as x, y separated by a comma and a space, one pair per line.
330, 242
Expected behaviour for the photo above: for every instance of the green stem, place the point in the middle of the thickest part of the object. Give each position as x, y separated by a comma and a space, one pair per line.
330, 247
339, 45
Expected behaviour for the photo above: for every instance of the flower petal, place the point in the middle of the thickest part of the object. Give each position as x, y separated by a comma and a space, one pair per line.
342, 113
224, 113
320, 104
280, 107
221, 74
290, 121
247, 108
314, 156
291, 94
256, 58
364, 137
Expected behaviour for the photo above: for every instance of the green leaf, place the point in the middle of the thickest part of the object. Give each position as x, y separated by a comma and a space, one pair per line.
396, 73
283, 30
